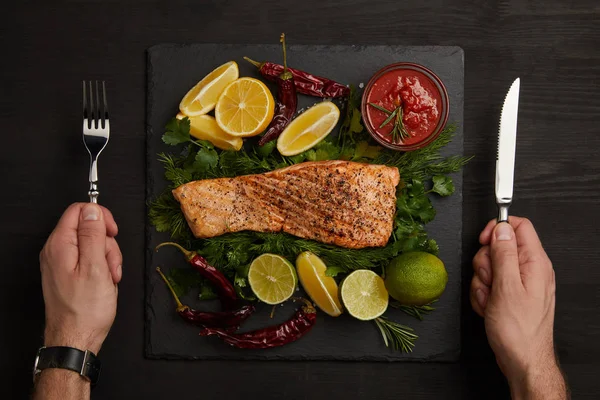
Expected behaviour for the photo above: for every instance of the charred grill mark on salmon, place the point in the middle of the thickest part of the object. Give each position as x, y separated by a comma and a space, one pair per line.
343, 203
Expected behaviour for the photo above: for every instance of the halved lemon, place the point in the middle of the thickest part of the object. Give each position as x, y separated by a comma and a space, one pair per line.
322, 289
245, 108
308, 128
364, 295
272, 278
204, 127
202, 98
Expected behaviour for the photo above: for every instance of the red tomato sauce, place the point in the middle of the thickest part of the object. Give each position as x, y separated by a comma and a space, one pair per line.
420, 100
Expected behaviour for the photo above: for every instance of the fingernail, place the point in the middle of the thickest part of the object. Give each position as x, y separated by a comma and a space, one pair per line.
503, 231
484, 275
480, 297
90, 212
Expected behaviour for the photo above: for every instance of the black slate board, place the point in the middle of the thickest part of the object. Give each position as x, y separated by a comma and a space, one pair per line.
172, 70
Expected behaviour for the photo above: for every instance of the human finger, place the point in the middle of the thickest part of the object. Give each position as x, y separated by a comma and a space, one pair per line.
486, 234
91, 234
112, 228
482, 265
114, 258
479, 294
504, 254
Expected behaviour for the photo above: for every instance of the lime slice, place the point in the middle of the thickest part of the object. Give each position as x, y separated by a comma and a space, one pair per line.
364, 295
272, 278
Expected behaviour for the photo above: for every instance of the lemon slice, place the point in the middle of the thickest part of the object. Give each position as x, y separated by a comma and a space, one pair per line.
272, 278
245, 108
204, 127
202, 98
308, 128
364, 295
322, 289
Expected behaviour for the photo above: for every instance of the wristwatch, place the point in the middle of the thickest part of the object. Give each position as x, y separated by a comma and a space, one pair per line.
84, 363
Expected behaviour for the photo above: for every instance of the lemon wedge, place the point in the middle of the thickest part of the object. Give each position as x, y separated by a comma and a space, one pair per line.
322, 289
202, 98
245, 108
308, 128
204, 127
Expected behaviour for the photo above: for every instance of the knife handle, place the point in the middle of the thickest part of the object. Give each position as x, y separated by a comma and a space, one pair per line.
503, 212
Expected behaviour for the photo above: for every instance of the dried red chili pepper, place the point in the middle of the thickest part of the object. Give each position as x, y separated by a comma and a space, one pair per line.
230, 320
273, 336
225, 289
305, 83
287, 102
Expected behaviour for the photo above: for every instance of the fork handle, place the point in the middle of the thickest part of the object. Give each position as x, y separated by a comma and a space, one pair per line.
93, 192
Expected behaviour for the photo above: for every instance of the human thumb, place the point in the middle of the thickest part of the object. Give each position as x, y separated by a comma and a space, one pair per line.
91, 234
503, 252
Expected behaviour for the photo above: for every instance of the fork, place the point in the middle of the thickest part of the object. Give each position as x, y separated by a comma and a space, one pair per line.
96, 131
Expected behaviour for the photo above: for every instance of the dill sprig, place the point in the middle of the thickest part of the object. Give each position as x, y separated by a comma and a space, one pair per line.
395, 335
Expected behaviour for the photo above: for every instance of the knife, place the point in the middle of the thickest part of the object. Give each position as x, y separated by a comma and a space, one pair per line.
505, 159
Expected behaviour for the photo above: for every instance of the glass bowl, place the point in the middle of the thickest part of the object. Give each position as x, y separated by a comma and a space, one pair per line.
436, 83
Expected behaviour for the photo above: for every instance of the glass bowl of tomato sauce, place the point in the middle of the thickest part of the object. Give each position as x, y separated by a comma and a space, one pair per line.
405, 106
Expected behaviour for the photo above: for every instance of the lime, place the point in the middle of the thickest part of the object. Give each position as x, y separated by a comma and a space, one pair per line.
364, 295
416, 278
322, 289
272, 278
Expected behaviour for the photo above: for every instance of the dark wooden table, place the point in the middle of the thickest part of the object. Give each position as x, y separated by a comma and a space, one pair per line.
50, 47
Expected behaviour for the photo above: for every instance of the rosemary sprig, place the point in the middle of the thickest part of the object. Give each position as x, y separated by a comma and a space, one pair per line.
417, 312
399, 131
395, 335
382, 109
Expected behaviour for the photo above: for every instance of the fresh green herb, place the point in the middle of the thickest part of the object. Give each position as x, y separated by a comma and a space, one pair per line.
166, 216
417, 312
442, 185
399, 131
389, 119
206, 159
427, 162
395, 335
177, 132
183, 279
352, 123
382, 109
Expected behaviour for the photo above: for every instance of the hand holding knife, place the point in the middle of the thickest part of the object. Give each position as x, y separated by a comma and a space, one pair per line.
505, 159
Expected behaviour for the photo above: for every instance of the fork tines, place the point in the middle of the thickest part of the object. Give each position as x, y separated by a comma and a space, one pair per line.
95, 114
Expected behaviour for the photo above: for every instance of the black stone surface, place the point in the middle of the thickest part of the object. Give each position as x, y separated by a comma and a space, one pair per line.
172, 70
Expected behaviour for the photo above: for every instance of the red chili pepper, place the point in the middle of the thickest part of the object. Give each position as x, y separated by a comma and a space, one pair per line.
287, 102
309, 84
273, 336
230, 320
226, 290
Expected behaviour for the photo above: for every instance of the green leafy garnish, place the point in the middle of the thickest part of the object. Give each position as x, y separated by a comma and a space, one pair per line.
442, 185
206, 159
395, 335
184, 279
177, 131
417, 312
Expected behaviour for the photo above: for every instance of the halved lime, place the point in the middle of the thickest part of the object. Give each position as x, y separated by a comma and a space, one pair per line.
272, 278
364, 295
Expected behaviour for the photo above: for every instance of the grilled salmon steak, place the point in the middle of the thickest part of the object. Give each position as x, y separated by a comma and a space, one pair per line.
343, 203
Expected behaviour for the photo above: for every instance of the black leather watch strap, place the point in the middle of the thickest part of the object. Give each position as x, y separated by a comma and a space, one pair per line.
84, 363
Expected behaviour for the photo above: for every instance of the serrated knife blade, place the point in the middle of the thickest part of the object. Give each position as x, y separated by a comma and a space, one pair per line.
505, 159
